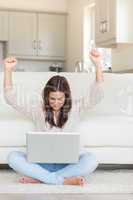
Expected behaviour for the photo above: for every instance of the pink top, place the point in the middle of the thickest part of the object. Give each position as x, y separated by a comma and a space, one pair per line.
31, 105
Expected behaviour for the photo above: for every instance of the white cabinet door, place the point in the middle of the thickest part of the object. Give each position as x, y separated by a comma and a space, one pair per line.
105, 22
3, 26
51, 35
22, 34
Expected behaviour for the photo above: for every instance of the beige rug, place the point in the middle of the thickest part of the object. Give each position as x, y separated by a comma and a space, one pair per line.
101, 182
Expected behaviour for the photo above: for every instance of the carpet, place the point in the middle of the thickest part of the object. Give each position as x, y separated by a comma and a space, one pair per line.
100, 182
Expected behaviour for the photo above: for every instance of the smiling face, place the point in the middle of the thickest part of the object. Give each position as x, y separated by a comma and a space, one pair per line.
56, 100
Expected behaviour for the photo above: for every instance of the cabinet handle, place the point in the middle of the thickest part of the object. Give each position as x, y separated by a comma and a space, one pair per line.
34, 44
106, 26
101, 29
39, 45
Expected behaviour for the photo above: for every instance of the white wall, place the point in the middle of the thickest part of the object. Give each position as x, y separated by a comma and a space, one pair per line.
75, 32
47, 5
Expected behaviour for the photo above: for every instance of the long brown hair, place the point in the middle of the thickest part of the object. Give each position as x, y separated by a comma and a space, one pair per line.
54, 84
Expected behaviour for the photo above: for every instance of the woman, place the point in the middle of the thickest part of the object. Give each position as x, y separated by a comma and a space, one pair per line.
52, 113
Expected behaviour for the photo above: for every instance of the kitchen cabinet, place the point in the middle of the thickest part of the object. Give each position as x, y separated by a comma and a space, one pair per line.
3, 25
22, 34
113, 22
37, 35
51, 35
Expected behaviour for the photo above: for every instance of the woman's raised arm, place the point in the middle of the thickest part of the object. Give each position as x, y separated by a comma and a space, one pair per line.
96, 58
9, 64
95, 93
15, 95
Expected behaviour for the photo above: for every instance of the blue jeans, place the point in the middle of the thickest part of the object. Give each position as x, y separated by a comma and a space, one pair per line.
52, 173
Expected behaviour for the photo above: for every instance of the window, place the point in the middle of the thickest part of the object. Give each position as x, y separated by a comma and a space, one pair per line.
89, 40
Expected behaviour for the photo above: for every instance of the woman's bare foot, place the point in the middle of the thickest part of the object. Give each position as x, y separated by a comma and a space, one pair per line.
26, 179
75, 180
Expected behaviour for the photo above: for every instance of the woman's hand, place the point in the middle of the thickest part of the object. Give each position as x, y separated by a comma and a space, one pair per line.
10, 63
95, 57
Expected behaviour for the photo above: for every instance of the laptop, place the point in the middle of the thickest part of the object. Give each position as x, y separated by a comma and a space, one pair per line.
53, 147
